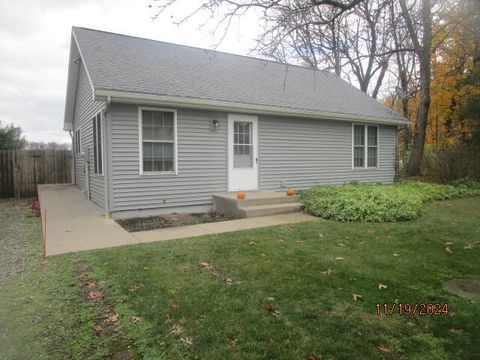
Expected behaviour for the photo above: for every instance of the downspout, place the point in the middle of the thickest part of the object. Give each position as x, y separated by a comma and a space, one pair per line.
106, 153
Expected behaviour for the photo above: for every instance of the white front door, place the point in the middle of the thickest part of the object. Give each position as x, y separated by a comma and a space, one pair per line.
242, 152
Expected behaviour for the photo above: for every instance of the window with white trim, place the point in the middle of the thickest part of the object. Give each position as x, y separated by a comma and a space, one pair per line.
97, 144
158, 140
365, 146
77, 142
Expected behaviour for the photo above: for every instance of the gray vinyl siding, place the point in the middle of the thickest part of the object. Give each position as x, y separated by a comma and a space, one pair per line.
304, 152
299, 152
202, 162
84, 111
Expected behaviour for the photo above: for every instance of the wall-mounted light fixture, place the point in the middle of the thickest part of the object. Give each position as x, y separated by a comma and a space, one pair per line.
215, 124
77, 61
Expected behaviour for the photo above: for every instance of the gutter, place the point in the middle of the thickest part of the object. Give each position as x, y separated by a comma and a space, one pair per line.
227, 106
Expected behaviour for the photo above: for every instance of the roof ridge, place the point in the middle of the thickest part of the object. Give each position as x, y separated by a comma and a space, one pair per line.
210, 50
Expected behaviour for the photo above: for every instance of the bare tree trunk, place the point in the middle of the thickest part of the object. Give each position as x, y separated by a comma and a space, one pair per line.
423, 51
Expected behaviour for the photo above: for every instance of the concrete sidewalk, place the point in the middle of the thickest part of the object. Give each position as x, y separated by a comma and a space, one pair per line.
74, 224
220, 227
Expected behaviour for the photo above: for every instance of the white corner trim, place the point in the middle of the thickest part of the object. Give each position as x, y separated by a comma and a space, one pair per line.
140, 142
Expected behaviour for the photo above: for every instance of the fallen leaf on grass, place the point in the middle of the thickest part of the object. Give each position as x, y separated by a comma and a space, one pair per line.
232, 342
362, 242
176, 329
173, 304
90, 284
314, 358
269, 307
356, 297
395, 254
341, 244
252, 243
135, 288
468, 247
136, 319
95, 295
111, 319
187, 341
98, 328
385, 349
207, 265
84, 274
448, 250
231, 281
477, 242
449, 243
339, 258
455, 330
270, 298
326, 272
382, 287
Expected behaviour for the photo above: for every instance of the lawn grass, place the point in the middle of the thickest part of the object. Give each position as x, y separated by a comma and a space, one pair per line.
282, 307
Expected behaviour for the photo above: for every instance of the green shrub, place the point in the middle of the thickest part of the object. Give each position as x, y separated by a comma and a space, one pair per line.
379, 203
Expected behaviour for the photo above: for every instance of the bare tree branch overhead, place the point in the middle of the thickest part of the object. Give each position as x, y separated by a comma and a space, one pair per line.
377, 45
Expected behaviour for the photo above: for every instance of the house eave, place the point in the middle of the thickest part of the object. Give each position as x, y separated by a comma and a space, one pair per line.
194, 103
72, 79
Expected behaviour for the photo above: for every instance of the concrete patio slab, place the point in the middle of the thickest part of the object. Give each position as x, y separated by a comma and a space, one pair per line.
75, 224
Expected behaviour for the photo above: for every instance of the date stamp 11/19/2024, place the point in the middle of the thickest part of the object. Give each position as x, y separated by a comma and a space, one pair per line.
430, 309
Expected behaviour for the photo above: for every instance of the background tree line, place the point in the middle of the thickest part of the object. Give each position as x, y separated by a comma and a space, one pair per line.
11, 138
419, 57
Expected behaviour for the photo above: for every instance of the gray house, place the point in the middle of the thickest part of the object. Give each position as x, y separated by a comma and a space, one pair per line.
160, 128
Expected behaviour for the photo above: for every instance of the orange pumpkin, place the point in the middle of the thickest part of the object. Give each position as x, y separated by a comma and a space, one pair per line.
241, 195
290, 192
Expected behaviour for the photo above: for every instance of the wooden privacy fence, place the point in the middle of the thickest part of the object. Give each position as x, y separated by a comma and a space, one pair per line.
22, 170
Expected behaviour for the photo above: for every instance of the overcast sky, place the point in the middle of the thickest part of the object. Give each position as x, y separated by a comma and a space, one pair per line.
34, 46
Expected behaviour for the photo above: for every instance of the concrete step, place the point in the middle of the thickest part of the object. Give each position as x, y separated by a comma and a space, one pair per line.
257, 198
270, 209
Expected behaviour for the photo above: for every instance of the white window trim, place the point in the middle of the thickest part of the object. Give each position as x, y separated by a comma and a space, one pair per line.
365, 147
140, 142
103, 144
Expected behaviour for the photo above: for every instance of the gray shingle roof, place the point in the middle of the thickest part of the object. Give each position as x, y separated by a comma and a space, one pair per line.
128, 64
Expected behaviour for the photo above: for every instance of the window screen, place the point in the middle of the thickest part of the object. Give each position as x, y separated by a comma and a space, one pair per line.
158, 141
358, 146
365, 144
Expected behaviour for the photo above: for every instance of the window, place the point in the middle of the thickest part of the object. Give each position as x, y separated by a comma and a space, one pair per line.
242, 144
158, 146
358, 146
365, 146
372, 146
97, 144
77, 142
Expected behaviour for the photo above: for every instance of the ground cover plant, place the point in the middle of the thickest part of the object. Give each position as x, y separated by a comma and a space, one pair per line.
301, 291
379, 202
